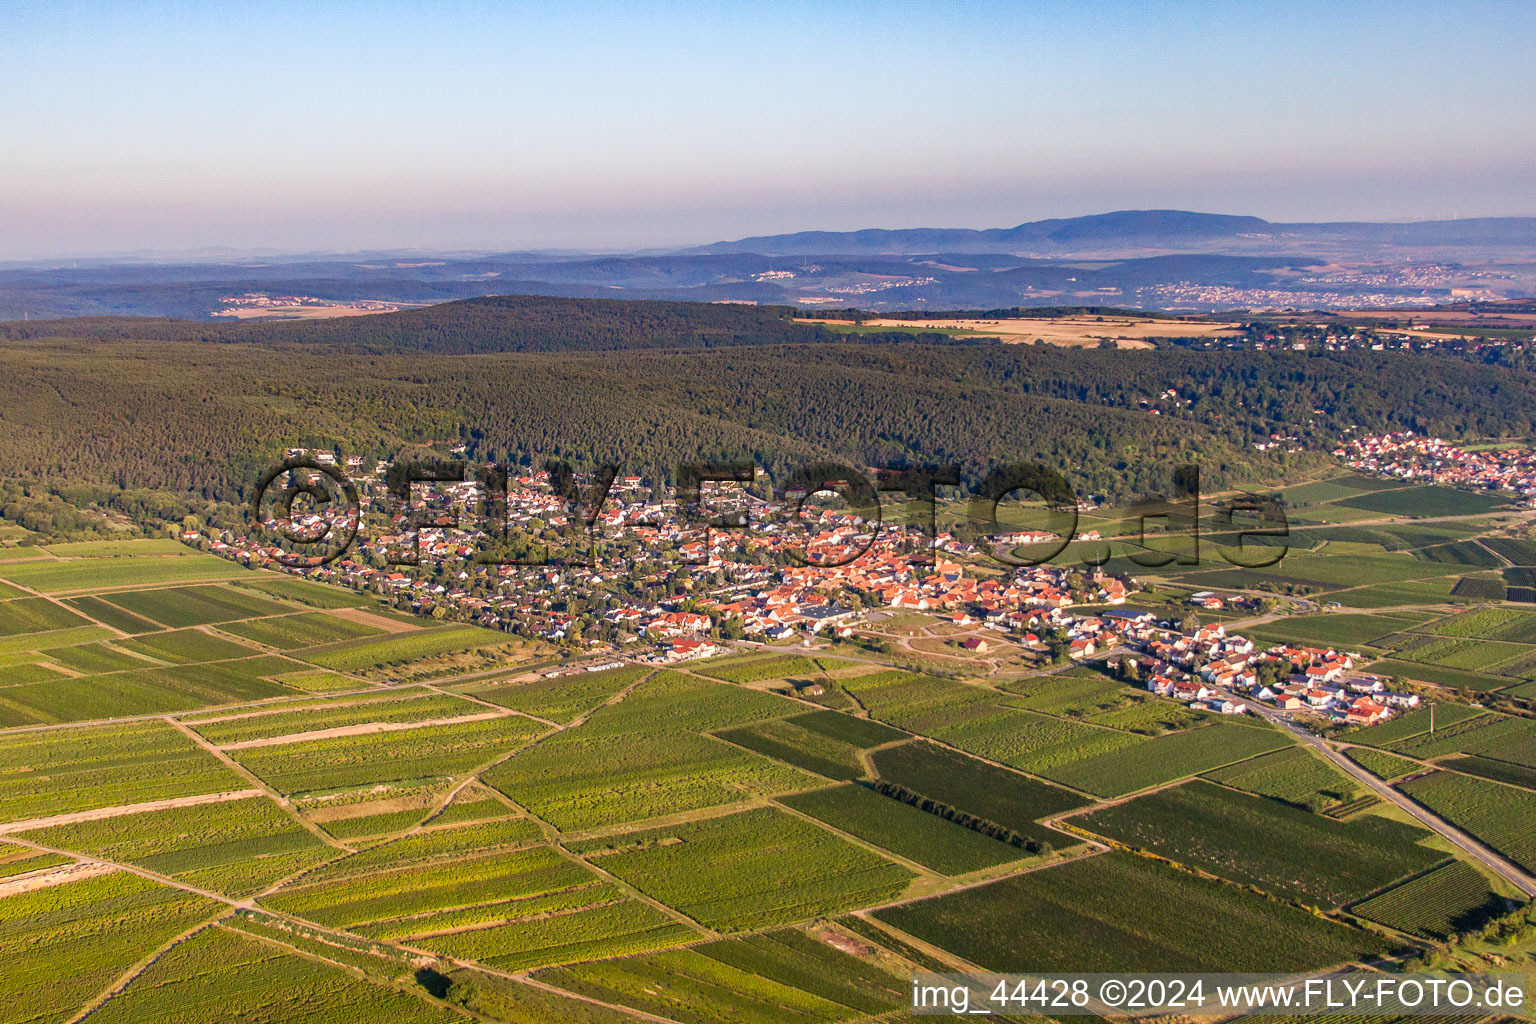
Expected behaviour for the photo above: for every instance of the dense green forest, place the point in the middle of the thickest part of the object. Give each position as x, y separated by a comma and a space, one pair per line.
505, 323
204, 419
99, 416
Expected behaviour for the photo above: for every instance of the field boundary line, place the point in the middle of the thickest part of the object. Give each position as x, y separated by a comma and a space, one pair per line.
245, 773
122, 810
359, 729
132, 973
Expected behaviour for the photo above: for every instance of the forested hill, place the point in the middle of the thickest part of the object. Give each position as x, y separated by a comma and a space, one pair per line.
105, 420
502, 323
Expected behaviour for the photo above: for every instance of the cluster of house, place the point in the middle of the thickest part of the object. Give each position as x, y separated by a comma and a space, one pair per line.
1432, 460
1263, 337
1324, 681
693, 581
1220, 672
741, 579
1215, 601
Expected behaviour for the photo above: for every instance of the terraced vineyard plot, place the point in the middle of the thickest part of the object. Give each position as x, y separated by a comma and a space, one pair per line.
179, 607
93, 658
141, 547
691, 988
112, 615
19, 860
1519, 552
791, 957
1322, 490
64, 944
1520, 576
1330, 570
185, 646
857, 732
429, 752
1426, 501
561, 936
643, 757
1025, 740
462, 925
1449, 739
511, 1002
237, 847
218, 975
562, 699
1278, 848
912, 701
317, 681
432, 846
787, 741
399, 648
248, 727
1356, 807
975, 787
1414, 723
1460, 653
1391, 595
793, 666
35, 615
1167, 758
1523, 667
1150, 717
1382, 764
307, 629
1498, 771
1120, 912
472, 804
58, 577
144, 691
1399, 537
1292, 775
1501, 816
383, 823
762, 977
64, 770
31, 672
1488, 624
1526, 691
1336, 629
1460, 552
316, 595
883, 939
752, 869
1481, 588
904, 830
1508, 739
581, 780
452, 885
376, 961
1453, 898
1066, 694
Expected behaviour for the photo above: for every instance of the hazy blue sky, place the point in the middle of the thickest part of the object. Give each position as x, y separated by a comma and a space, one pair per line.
503, 125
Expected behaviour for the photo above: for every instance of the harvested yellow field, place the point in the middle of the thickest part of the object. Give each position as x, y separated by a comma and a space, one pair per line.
1077, 332
302, 307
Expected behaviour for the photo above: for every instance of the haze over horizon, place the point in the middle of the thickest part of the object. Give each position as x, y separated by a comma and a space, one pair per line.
614, 127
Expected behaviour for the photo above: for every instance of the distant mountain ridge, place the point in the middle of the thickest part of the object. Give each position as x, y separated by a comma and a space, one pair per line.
1170, 260
1142, 228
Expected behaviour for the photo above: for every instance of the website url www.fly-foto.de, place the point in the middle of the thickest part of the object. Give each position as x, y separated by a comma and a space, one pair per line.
1359, 993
